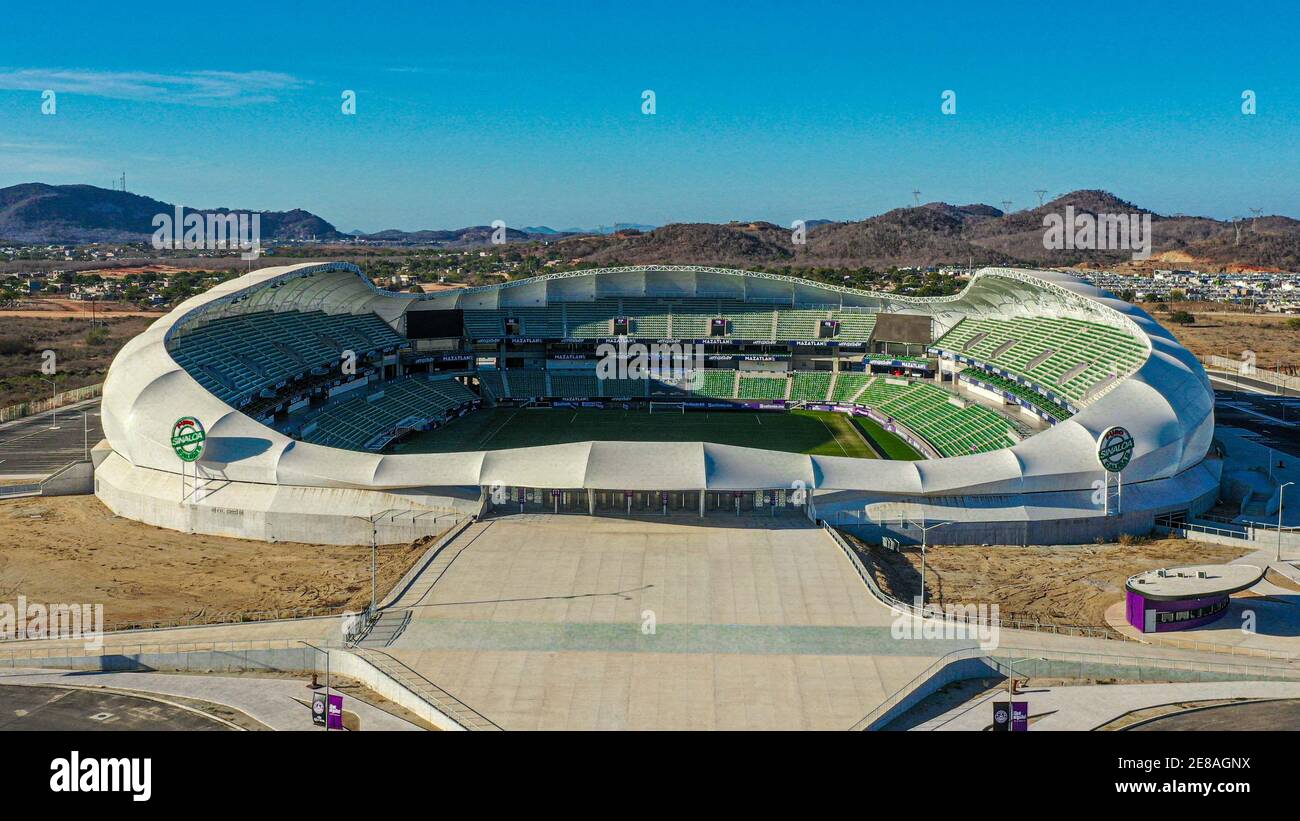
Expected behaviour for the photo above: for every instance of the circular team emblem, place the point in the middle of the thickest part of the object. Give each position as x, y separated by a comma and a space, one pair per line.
187, 438
1114, 449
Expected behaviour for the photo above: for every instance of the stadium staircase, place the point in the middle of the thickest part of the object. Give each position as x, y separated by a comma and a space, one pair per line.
811, 386
385, 630
849, 386
446, 703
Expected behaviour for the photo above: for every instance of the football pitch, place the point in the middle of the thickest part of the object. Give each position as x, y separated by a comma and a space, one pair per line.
800, 431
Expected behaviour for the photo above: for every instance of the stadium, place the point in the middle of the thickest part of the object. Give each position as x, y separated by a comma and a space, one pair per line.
329, 408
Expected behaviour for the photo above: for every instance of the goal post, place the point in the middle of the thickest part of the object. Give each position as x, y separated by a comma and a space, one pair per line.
668, 407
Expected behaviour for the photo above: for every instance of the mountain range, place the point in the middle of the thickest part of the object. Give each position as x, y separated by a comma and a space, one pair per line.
938, 233
935, 233
74, 214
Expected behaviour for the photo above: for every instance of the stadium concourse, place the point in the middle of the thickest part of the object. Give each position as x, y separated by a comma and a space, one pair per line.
303, 403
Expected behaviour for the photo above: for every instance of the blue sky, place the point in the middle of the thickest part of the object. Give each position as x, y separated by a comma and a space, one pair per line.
531, 112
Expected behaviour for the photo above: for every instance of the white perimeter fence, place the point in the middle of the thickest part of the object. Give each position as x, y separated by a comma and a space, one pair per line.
59, 400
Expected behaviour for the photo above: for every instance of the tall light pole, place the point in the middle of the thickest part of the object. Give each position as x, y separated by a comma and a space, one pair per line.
327, 680
54, 399
1280, 491
374, 559
925, 532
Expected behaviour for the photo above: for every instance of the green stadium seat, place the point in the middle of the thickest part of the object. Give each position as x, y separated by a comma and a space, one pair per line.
811, 386
762, 387
415, 400
1065, 355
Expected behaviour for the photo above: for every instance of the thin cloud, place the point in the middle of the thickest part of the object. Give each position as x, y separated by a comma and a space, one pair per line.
186, 88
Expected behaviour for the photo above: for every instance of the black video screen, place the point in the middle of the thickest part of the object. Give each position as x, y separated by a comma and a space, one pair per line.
621, 326
828, 329
435, 324
512, 326
718, 327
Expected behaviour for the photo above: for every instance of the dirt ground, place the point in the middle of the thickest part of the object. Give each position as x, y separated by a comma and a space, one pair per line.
1070, 584
81, 359
53, 306
72, 549
1228, 333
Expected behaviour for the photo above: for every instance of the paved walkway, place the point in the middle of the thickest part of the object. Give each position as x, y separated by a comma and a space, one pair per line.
1272, 611
1246, 451
246, 635
582, 623
269, 700
1087, 707
541, 622
32, 448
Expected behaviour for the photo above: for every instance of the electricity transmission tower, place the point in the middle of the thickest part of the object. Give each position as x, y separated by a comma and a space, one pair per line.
1041, 192
1006, 207
917, 196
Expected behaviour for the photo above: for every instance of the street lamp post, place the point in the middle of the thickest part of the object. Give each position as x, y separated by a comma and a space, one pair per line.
1280, 491
925, 532
327, 680
373, 521
54, 400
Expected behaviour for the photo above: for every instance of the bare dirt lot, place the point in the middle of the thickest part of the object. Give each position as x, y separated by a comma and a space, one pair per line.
82, 354
1071, 584
1228, 333
73, 549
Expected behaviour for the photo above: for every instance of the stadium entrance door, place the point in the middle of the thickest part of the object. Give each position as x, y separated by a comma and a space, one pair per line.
772, 502
779, 502
646, 502
505, 500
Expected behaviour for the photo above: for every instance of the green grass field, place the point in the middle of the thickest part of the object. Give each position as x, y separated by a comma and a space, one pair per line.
886, 443
813, 432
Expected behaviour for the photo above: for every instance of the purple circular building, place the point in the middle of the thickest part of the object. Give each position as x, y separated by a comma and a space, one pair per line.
1182, 598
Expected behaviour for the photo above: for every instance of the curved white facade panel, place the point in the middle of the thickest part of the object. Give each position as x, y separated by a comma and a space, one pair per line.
1167, 404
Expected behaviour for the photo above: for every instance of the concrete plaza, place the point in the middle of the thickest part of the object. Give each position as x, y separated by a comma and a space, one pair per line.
544, 622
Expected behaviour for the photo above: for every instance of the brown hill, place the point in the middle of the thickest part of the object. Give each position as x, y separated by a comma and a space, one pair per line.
938, 233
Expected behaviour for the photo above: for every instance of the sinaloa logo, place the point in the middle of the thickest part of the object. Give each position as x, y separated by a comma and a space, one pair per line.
77, 774
188, 437
1114, 449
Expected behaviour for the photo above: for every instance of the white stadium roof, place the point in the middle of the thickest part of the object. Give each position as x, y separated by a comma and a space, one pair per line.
1167, 404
